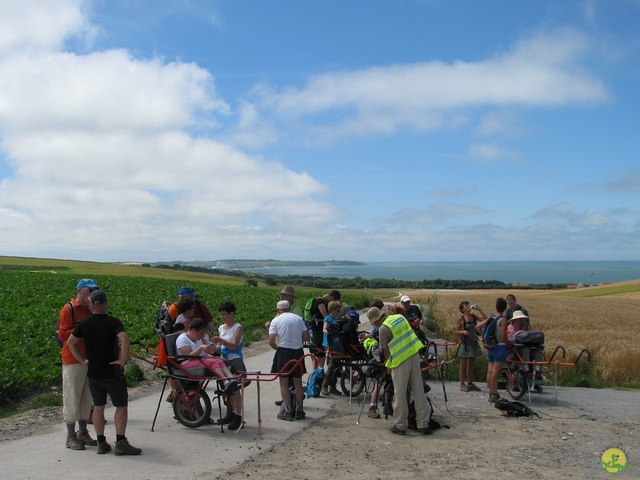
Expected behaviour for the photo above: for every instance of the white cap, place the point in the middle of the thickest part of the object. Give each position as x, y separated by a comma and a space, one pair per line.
283, 305
405, 299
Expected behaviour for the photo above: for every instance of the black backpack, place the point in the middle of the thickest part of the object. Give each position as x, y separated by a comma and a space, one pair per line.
163, 322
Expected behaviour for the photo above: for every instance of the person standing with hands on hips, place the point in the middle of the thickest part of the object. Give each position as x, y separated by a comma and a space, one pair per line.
102, 335
469, 348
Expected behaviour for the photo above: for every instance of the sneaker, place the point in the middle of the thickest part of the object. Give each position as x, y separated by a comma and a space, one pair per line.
334, 391
324, 391
373, 412
425, 431
494, 397
73, 442
300, 414
86, 439
103, 447
236, 422
170, 397
231, 387
464, 388
397, 431
286, 415
474, 388
226, 419
278, 402
123, 447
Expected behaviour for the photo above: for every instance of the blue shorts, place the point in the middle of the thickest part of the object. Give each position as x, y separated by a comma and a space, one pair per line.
497, 354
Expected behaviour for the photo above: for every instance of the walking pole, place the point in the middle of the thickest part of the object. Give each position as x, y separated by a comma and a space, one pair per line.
259, 414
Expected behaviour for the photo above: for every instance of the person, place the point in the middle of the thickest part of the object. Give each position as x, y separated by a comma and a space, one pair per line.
401, 347
469, 348
373, 334
185, 307
229, 339
316, 324
497, 355
413, 314
288, 293
291, 332
330, 379
76, 396
200, 310
107, 350
520, 322
512, 306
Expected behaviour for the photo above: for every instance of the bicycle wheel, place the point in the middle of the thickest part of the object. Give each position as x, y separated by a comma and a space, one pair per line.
516, 383
193, 408
352, 381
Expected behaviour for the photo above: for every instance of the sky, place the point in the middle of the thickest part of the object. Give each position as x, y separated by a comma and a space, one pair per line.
368, 130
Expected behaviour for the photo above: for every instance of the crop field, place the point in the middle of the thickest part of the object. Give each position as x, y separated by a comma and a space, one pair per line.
30, 299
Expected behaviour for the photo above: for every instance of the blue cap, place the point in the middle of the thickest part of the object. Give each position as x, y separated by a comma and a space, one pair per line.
187, 291
86, 282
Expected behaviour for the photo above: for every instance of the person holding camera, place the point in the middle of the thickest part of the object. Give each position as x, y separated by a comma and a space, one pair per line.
469, 348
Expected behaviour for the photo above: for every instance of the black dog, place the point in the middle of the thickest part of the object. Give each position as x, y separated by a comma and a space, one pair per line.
514, 409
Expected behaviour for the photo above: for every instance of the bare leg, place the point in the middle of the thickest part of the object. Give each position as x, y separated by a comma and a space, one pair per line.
120, 419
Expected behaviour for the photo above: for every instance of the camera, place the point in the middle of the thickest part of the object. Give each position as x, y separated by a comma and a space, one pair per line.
474, 306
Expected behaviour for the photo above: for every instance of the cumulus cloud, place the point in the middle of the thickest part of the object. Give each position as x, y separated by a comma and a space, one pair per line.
540, 71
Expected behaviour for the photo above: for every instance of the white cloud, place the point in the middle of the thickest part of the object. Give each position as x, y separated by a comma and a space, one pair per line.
541, 71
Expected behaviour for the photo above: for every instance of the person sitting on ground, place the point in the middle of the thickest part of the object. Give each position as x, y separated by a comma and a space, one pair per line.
192, 344
469, 348
330, 379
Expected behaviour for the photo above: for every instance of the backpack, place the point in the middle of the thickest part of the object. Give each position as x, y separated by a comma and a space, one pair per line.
489, 336
311, 308
530, 337
314, 383
163, 322
57, 335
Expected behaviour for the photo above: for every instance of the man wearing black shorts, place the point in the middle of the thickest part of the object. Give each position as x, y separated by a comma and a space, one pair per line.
291, 332
102, 334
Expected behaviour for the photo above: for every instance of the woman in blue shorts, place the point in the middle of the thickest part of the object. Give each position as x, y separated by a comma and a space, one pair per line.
497, 355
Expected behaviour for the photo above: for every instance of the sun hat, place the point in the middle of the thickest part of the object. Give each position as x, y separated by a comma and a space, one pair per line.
86, 282
288, 290
374, 314
283, 305
516, 315
405, 299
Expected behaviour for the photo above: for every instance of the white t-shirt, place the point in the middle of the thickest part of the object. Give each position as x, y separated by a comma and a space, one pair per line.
288, 327
184, 341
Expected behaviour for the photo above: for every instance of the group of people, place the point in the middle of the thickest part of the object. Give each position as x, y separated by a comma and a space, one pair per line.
510, 318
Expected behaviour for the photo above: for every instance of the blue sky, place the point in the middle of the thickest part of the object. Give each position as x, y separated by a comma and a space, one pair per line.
364, 130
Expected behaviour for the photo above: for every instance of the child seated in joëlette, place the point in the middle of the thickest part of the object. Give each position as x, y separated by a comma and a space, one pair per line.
192, 343
520, 322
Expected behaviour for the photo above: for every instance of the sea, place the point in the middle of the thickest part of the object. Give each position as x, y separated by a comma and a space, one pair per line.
539, 272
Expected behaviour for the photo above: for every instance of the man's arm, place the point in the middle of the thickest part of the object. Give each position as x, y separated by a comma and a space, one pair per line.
123, 338
72, 343
272, 341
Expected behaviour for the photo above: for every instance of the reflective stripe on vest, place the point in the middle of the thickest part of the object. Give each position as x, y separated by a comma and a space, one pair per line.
404, 344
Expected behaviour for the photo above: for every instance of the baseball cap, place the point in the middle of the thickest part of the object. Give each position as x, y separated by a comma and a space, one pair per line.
283, 305
86, 282
98, 297
405, 299
187, 291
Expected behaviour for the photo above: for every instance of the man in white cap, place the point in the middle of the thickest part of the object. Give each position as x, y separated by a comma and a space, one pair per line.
413, 314
401, 349
291, 333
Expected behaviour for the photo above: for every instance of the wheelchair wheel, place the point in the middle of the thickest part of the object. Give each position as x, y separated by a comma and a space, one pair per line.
516, 383
193, 408
356, 381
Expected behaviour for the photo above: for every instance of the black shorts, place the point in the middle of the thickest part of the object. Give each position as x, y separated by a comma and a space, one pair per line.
283, 356
115, 387
237, 365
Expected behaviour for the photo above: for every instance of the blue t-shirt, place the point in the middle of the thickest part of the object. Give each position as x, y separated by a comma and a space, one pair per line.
325, 336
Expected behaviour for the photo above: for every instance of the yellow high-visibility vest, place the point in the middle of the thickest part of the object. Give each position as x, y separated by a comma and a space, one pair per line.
404, 344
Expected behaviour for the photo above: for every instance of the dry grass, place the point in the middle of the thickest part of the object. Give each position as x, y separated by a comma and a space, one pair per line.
606, 325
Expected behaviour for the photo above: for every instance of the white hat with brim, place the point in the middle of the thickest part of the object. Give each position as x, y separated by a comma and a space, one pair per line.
517, 315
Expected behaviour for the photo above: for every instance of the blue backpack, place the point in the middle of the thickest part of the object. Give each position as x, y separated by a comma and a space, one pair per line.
314, 383
489, 335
